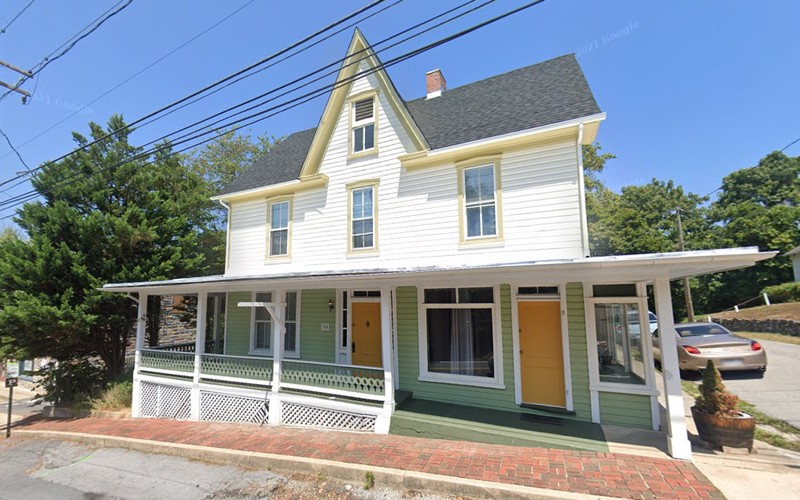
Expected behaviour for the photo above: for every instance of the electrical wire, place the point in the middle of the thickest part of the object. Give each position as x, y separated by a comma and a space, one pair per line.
284, 107
322, 90
134, 75
210, 86
14, 149
3, 30
65, 47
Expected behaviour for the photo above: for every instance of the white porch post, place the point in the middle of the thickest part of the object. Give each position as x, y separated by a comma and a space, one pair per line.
278, 333
199, 347
384, 420
677, 437
141, 323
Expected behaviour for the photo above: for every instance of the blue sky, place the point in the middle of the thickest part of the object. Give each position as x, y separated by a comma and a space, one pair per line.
693, 90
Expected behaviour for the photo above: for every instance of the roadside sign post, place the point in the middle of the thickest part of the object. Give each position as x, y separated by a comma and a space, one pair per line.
12, 378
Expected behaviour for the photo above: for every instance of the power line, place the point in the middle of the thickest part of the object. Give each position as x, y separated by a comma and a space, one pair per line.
3, 30
312, 94
120, 84
210, 86
14, 149
71, 42
284, 106
790, 144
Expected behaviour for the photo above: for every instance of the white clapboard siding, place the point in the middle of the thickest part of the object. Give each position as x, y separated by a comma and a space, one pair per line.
418, 210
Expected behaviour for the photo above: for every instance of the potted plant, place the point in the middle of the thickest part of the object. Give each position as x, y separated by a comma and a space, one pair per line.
717, 416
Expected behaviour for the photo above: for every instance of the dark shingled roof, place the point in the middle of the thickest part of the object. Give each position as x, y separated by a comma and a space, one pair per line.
545, 93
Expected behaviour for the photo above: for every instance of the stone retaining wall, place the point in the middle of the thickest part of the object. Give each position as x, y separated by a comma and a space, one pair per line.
784, 326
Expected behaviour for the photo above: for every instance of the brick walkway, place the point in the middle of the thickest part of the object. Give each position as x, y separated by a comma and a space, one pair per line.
608, 474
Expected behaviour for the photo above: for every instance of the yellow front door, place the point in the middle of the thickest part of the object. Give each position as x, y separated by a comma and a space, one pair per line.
540, 353
366, 328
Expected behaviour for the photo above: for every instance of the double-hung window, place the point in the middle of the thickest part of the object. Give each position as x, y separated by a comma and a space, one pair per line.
363, 215
479, 200
263, 325
461, 336
279, 216
363, 125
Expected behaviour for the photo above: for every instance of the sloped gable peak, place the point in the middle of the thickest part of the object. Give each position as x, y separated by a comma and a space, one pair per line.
358, 52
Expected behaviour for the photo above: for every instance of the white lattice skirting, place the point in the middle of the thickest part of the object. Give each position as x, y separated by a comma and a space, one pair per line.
165, 401
311, 416
220, 407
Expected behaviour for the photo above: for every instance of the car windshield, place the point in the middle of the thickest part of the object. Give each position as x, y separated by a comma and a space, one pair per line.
700, 330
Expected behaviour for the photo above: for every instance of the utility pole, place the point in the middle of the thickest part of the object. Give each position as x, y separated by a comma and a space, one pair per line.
687, 291
15, 87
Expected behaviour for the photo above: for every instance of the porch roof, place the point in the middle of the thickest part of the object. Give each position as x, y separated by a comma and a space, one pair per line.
613, 269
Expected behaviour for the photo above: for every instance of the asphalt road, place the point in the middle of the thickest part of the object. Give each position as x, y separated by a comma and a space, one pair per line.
778, 393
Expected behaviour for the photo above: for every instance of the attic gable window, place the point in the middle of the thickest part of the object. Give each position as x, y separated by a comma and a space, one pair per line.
363, 125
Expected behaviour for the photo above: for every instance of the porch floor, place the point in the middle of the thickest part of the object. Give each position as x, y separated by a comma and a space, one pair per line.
431, 419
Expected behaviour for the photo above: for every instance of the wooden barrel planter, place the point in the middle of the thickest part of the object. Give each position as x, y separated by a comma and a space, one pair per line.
720, 430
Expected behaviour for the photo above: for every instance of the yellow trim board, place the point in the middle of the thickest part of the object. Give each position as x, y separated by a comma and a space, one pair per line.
358, 50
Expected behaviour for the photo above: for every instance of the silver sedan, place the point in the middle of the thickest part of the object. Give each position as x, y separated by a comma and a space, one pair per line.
700, 342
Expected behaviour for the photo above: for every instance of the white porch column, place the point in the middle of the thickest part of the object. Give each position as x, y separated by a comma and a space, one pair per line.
278, 314
383, 422
141, 323
199, 347
677, 436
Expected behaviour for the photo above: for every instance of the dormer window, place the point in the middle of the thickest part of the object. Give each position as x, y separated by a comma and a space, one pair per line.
363, 125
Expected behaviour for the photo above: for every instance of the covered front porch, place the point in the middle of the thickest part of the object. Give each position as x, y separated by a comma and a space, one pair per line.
283, 364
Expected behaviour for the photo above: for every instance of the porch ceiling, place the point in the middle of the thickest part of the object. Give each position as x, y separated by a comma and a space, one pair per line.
623, 268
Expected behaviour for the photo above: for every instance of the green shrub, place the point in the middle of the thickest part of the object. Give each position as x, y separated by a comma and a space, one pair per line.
117, 396
786, 292
73, 382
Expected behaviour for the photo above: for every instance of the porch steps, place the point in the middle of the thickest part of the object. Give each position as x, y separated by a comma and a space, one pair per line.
431, 419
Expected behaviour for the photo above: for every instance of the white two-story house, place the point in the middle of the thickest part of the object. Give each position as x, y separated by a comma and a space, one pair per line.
435, 249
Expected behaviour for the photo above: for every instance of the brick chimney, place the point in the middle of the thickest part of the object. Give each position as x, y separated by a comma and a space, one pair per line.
435, 83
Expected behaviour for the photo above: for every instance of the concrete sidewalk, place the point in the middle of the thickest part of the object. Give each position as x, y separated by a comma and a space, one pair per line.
471, 469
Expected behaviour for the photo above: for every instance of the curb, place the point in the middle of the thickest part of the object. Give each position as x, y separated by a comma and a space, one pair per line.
393, 478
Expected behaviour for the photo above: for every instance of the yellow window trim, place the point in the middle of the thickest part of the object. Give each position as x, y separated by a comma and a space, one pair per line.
367, 94
358, 252
288, 256
481, 161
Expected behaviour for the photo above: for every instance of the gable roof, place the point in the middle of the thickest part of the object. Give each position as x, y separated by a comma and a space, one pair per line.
549, 92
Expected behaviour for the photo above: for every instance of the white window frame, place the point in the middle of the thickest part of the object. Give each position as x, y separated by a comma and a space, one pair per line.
595, 384
271, 229
270, 352
497, 382
363, 124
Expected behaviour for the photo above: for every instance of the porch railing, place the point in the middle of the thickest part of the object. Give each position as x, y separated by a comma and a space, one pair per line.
223, 368
359, 382
362, 382
208, 346
168, 362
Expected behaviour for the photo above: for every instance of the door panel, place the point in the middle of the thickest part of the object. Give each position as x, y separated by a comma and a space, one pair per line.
366, 334
541, 354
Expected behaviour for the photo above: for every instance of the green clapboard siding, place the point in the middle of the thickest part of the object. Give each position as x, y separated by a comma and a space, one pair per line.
629, 410
316, 345
237, 328
408, 355
578, 358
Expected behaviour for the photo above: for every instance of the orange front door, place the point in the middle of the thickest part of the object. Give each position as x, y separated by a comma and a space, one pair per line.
540, 353
366, 328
